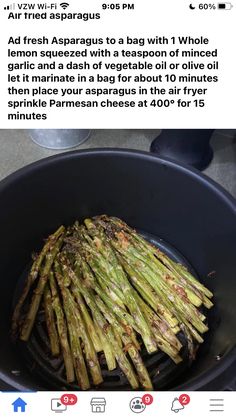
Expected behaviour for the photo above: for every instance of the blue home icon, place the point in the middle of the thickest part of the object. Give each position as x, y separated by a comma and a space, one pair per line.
19, 405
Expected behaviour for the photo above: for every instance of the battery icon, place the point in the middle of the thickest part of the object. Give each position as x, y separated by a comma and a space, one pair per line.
225, 6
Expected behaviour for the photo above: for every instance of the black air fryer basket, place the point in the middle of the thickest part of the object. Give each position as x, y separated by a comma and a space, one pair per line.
176, 208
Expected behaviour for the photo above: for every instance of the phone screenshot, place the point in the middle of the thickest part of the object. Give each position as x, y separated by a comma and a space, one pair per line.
117, 209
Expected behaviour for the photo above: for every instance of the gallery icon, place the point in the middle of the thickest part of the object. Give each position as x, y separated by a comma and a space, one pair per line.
98, 404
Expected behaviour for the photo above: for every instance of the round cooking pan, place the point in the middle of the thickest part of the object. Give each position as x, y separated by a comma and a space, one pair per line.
190, 213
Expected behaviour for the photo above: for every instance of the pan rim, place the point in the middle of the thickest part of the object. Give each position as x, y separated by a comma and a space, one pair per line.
120, 152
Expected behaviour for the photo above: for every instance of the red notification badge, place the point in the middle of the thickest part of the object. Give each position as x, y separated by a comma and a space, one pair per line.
68, 399
147, 399
184, 399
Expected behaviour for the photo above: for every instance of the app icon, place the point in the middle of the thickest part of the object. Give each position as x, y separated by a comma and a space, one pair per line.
176, 405
98, 404
57, 406
19, 405
179, 403
216, 405
137, 405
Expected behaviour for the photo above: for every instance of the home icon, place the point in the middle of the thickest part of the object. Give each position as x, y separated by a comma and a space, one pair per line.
98, 404
19, 405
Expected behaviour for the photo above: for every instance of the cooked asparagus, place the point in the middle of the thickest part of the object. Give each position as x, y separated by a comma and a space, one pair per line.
129, 345
50, 322
33, 274
104, 288
62, 330
74, 315
38, 292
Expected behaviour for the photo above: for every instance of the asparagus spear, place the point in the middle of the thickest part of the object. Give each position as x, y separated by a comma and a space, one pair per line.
118, 337
79, 329
180, 273
77, 357
176, 267
105, 327
189, 337
84, 311
103, 272
110, 300
163, 343
121, 358
89, 323
74, 316
149, 294
162, 288
38, 292
117, 352
163, 326
34, 271
165, 338
62, 331
125, 317
104, 281
178, 311
50, 322
130, 347
73, 328
111, 266
182, 287
109, 225
106, 345
189, 277
78, 289
165, 280
103, 277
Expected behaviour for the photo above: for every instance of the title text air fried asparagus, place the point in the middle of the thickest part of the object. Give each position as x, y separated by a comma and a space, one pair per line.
105, 290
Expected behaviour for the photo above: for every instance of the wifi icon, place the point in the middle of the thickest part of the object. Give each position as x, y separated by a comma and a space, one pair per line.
64, 5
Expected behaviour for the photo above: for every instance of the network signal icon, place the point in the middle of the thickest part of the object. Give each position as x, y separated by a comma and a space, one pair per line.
64, 5
10, 7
